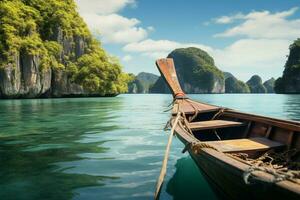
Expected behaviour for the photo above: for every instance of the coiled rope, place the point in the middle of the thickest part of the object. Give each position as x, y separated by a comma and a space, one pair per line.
277, 164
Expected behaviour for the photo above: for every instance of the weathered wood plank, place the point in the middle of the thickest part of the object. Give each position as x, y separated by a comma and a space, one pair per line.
213, 124
242, 145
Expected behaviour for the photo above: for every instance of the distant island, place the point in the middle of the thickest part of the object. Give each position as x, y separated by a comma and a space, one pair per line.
141, 83
46, 53
197, 73
46, 50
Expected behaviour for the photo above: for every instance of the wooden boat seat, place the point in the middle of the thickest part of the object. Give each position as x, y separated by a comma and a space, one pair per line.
213, 124
244, 145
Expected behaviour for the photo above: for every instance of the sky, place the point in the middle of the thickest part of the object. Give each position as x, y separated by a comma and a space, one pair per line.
243, 37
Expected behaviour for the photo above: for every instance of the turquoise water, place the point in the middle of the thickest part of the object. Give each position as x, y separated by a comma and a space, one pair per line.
106, 148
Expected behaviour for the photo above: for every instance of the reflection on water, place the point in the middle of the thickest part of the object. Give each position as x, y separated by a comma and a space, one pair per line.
37, 135
187, 182
106, 148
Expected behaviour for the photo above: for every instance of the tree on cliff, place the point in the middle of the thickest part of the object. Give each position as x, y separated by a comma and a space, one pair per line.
196, 72
52, 38
290, 80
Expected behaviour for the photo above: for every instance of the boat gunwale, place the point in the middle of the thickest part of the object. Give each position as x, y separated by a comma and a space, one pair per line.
258, 117
238, 166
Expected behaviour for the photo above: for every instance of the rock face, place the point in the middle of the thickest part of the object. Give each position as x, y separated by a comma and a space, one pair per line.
269, 85
135, 87
255, 85
233, 85
62, 86
196, 72
160, 86
142, 82
58, 59
290, 81
23, 79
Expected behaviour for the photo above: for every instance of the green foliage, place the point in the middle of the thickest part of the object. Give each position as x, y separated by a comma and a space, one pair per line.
233, 85
279, 88
197, 67
49, 30
255, 85
142, 82
269, 85
290, 81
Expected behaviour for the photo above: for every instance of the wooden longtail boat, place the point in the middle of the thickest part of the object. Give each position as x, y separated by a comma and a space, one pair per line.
243, 156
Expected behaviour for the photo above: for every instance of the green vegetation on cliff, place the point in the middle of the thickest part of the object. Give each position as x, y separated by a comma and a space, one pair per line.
255, 84
290, 80
142, 82
233, 85
196, 71
54, 32
269, 85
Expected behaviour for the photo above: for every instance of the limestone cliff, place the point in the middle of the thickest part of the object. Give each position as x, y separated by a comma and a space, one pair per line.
269, 85
196, 72
290, 80
233, 85
46, 50
255, 84
142, 82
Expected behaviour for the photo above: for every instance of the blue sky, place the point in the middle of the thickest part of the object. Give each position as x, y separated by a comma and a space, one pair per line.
244, 37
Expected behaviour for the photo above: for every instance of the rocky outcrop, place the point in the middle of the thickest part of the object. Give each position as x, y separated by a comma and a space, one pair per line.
255, 85
160, 86
24, 79
196, 72
269, 85
142, 82
135, 87
289, 83
233, 85
62, 86
51, 56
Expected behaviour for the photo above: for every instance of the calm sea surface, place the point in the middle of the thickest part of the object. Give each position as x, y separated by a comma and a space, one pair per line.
106, 148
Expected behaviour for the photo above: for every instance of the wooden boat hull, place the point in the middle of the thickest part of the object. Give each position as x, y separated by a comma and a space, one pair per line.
234, 149
227, 179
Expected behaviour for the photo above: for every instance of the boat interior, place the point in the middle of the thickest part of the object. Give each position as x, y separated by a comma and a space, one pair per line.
234, 132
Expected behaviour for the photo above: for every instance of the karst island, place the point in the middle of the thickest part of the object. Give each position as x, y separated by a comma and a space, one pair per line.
137, 100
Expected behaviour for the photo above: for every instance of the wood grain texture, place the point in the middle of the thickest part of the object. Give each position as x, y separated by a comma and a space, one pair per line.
242, 145
213, 124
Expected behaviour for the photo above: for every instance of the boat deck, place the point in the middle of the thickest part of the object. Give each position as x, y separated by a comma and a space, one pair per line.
244, 145
213, 124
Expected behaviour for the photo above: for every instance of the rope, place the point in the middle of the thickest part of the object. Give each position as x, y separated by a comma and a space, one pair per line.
218, 113
165, 161
197, 146
277, 164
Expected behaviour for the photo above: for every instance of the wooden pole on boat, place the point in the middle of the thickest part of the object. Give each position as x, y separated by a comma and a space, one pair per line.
165, 161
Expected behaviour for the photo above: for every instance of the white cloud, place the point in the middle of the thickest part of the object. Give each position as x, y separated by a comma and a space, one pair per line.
102, 7
263, 24
102, 18
114, 28
150, 28
247, 56
127, 58
255, 53
228, 19
160, 48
